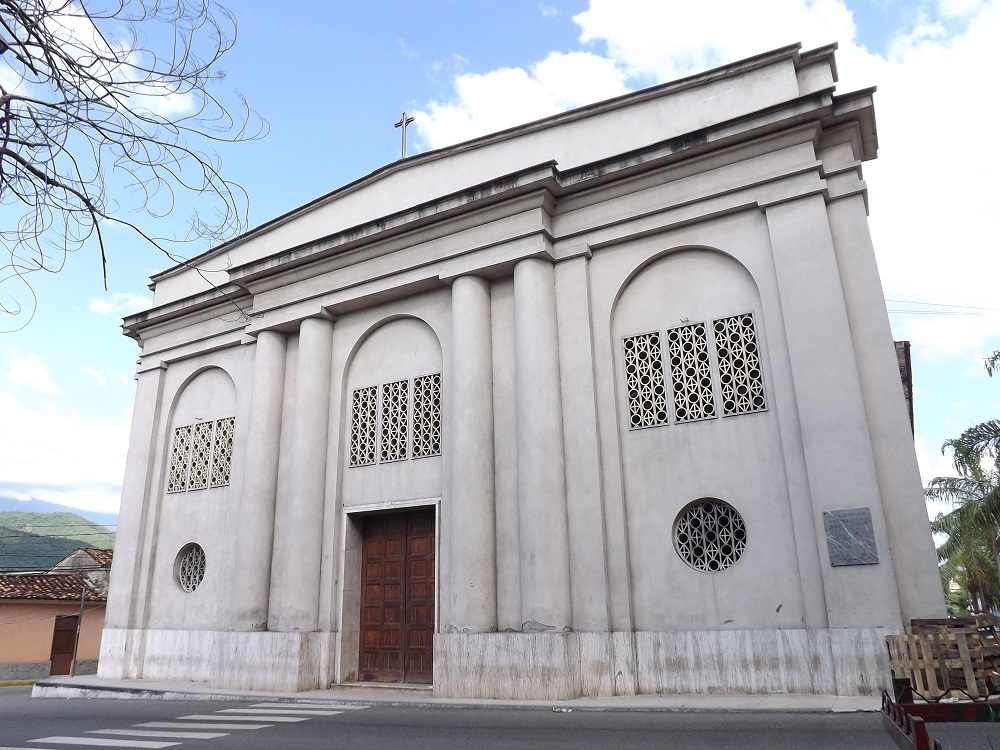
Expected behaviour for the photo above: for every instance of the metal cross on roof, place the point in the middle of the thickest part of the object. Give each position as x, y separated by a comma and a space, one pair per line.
403, 122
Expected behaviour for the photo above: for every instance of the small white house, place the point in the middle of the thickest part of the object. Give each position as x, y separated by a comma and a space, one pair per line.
602, 404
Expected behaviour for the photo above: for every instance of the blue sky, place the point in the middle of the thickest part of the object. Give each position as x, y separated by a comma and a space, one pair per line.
332, 78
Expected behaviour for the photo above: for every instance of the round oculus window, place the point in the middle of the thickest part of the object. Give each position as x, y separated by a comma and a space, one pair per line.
709, 535
190, 567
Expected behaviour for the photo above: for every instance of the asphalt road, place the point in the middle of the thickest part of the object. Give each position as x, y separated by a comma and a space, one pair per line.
53, 723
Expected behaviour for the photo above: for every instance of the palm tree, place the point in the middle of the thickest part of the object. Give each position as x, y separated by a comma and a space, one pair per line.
968, 561
971, 552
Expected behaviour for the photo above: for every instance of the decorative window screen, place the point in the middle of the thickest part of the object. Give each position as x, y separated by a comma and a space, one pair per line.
180, 454
394, 420
201, 455
690, 373
647, 398
222, 454
710, 535
191, 567
364, 413
427, 416
739, 365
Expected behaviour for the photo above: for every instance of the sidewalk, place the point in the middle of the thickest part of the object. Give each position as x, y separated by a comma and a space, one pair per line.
97, 687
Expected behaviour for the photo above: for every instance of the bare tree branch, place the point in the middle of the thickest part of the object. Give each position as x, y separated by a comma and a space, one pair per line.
106, 110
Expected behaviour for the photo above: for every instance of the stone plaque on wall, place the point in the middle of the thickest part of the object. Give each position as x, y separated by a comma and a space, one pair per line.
850, 537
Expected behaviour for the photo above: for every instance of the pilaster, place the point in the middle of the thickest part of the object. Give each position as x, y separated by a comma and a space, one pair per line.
472, 549
541, 479
298, 523
255, 525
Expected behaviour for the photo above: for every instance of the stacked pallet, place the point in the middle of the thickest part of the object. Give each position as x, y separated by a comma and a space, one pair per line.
957, 657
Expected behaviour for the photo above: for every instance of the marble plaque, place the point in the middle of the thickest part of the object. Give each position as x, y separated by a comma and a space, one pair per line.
850, 537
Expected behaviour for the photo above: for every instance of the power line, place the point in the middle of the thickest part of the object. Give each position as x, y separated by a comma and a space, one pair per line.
953, 310
942, 304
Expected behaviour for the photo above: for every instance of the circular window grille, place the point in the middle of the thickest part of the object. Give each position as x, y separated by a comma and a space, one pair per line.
710, 535
190, 567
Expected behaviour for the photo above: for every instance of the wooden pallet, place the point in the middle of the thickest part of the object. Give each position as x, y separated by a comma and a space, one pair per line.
954, 657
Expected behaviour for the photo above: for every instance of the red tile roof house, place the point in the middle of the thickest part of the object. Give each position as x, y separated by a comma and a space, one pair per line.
39, 617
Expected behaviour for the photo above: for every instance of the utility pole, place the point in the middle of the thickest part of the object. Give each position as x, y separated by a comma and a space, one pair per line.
79, 627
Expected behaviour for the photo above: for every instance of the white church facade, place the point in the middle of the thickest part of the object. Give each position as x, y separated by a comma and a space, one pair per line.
603, 404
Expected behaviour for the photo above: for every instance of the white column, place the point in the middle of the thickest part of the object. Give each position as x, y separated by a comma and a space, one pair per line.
127, 588
298, 523
255, 526
541, 481
472, 551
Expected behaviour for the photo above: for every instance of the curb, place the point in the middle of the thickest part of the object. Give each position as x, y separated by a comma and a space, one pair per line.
45, 689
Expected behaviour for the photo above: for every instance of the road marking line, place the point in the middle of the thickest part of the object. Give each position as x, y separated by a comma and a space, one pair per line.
161, 733
268, 712
216, 717
338, 706
98, 742
196, 725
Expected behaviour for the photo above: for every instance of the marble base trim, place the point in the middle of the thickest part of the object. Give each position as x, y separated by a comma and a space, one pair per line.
556, 666
283, 662
528, 666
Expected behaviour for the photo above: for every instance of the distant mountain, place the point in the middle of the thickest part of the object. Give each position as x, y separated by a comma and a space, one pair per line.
37, 541
39, 506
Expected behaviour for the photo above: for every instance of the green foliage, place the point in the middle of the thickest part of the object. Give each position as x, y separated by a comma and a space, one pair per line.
969, 554
37, 541
957, 602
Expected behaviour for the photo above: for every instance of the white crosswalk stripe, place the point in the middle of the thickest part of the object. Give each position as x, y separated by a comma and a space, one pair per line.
268, 712
263, 716
337, 706
160, 733
268, 718
101, 742
197, 725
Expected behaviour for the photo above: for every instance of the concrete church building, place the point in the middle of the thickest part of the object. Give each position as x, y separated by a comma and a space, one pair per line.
602, 404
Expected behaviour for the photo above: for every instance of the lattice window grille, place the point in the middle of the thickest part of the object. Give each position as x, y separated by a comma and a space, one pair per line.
710, 535
222, 452
180, 456
191, 567
690, 373
739, 365
395, 405
427, 416
201, 455
364, 415
647, 396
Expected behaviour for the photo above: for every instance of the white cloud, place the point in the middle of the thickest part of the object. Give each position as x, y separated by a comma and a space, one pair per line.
61, 457
406, 51
30, 373
933, 463
500, 99
547, 10
96, 374
118, 305
932, 194
664, 41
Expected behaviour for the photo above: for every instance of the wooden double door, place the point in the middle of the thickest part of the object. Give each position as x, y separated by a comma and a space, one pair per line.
397, 597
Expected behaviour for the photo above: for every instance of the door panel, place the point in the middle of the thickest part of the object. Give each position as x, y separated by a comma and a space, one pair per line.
397, 606
63, 641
